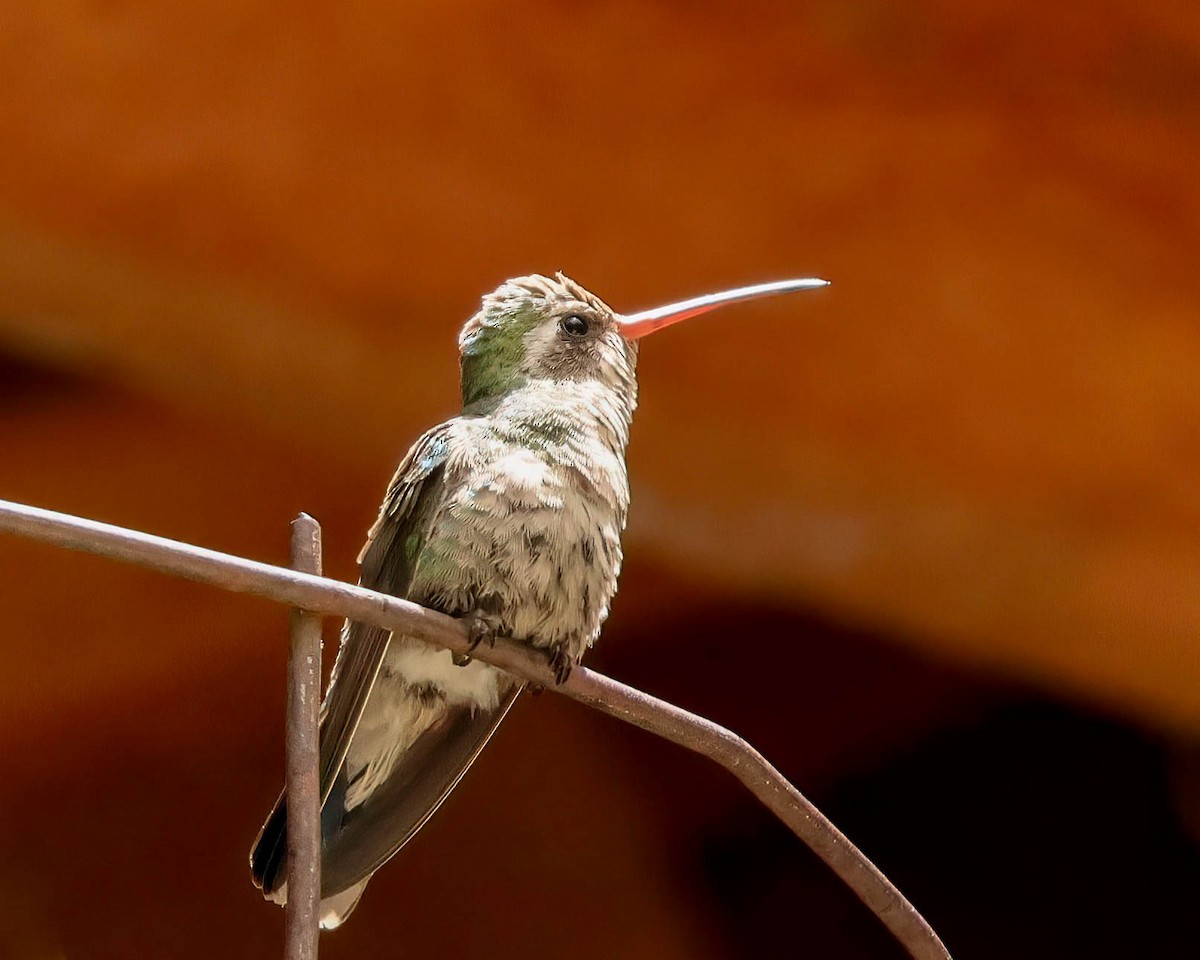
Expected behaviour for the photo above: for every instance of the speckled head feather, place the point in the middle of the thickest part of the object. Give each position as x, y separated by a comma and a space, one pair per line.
522, 294
519, 336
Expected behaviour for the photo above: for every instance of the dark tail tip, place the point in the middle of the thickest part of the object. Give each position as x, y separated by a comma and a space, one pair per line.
269, 855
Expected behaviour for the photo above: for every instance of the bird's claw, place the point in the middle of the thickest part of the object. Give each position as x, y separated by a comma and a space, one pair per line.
481, 627
560, 664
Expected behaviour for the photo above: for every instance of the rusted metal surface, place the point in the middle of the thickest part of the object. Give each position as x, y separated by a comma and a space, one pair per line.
303, 754
331, 597
776, 793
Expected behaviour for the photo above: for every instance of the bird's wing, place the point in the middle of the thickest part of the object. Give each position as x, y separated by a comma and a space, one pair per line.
387, 560
450, 737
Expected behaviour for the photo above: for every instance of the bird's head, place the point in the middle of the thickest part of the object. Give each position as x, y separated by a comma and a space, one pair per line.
542, 329
551, 329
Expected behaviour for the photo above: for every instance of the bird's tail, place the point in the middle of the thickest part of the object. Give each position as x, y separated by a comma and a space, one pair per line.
371, 812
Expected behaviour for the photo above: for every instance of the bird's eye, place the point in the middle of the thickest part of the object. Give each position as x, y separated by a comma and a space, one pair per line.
575, 325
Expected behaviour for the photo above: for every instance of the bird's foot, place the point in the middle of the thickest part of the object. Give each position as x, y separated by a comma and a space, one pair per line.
560, 664
482, 627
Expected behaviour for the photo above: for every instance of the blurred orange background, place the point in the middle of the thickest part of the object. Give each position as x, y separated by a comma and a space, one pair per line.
929, 538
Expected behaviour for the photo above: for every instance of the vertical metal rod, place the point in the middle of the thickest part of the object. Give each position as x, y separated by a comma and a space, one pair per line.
303, 754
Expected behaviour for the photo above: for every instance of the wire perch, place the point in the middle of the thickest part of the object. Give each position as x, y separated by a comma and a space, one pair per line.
319, 595
304, 757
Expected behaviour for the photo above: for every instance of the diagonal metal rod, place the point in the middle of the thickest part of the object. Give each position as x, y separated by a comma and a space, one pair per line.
303, 756
334, 598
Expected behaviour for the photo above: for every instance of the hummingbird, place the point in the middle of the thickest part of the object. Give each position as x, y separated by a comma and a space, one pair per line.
509, 516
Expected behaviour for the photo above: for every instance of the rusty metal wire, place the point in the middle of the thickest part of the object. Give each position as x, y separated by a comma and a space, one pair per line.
331, 597
303, 757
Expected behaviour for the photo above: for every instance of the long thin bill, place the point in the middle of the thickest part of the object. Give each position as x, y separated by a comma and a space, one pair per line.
639, 324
